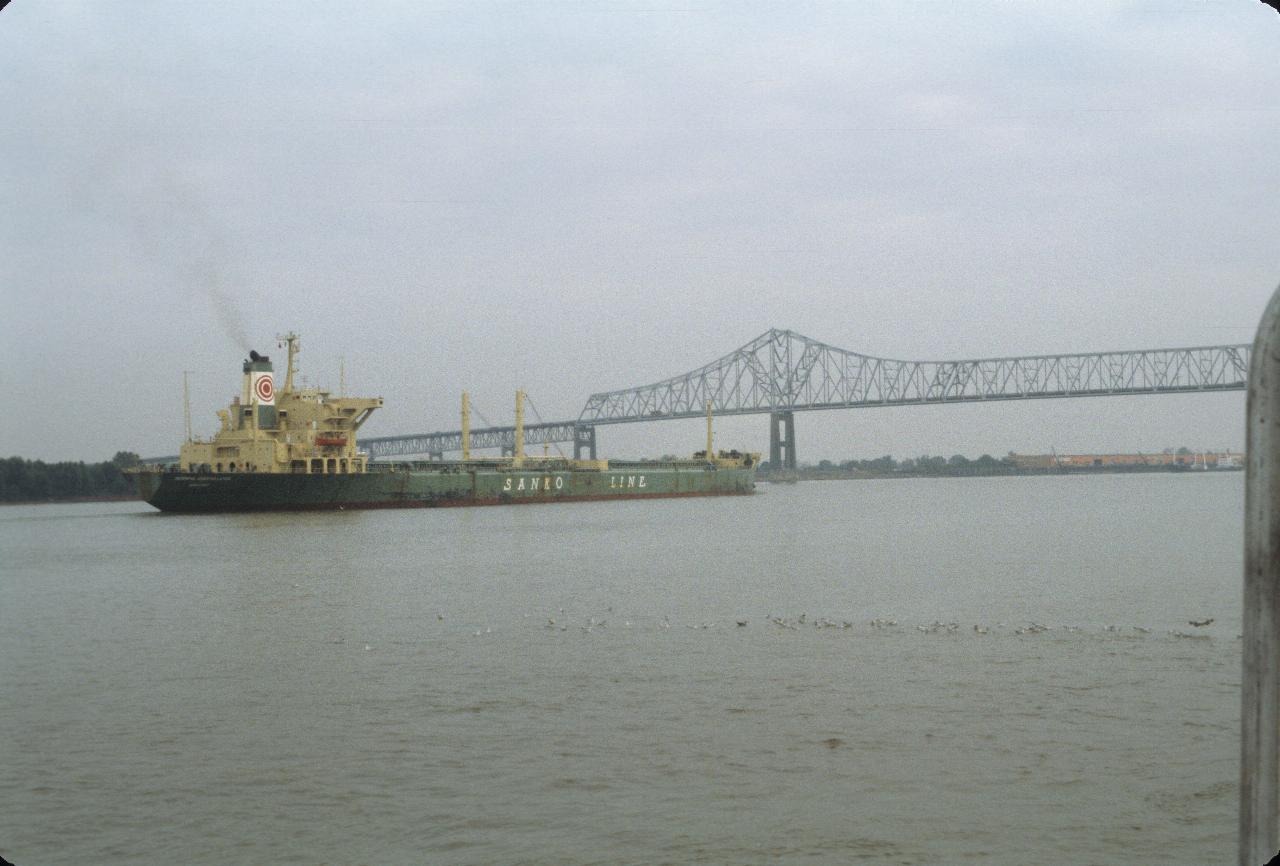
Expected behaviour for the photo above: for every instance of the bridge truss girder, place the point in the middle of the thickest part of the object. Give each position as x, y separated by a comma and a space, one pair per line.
502, 438
781, 371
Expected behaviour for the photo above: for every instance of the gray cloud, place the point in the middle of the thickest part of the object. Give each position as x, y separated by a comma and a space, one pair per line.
573, 197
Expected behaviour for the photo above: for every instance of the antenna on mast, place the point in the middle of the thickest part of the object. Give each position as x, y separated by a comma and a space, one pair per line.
186, 405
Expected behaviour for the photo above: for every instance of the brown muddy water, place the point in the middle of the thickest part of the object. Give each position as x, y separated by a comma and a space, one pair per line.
986, 671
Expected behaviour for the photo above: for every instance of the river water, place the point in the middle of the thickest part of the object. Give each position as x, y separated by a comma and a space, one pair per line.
568, 684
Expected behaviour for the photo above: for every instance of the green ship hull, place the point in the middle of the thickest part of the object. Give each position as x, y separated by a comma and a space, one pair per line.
433, 484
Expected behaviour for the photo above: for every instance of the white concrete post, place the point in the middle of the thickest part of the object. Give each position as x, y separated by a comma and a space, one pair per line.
1260, 692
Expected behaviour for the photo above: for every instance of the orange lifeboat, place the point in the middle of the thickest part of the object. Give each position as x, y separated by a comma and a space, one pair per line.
331, 439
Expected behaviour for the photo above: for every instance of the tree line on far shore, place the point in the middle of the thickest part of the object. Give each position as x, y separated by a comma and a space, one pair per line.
24, 480
956, 464
925, 464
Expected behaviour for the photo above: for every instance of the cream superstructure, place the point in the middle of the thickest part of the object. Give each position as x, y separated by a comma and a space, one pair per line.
294, 430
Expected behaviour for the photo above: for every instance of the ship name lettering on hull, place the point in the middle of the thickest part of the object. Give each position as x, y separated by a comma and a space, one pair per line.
546, 482
622, 481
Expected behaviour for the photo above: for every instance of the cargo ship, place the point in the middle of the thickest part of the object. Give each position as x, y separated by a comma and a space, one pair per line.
295, 450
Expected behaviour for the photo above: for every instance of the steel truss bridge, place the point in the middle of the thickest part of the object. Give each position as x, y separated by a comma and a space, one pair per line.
437, 444
782, 372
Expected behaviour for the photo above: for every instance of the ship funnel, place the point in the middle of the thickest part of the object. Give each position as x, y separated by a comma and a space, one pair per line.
259, 391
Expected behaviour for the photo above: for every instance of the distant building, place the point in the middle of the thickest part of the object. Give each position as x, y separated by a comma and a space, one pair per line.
1197, 459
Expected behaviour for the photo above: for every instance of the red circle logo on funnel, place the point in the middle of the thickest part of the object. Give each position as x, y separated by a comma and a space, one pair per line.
266, 391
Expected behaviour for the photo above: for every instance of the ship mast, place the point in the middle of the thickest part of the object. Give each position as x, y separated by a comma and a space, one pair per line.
291, 365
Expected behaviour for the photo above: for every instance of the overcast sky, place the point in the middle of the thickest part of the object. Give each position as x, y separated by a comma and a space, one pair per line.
581, 196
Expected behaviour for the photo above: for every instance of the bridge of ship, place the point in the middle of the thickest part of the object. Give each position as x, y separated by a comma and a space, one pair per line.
781, 372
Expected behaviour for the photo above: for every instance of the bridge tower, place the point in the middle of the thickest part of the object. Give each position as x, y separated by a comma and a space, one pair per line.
584, 439
782, 440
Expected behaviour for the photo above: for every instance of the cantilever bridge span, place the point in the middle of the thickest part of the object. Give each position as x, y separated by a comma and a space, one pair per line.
781, 372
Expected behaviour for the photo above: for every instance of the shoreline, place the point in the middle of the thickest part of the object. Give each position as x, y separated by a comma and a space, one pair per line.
1004, 472
121, 497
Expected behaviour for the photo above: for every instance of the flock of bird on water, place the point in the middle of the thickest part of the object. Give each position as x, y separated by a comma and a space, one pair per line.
879, 623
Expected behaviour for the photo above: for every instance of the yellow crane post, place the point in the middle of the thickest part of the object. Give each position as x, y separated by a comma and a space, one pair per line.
710, 453
519, 452
466, 426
